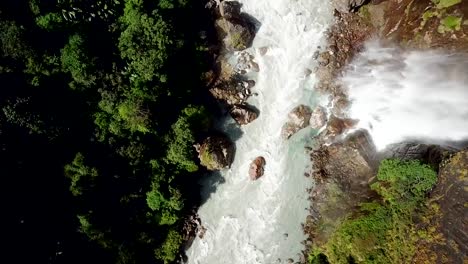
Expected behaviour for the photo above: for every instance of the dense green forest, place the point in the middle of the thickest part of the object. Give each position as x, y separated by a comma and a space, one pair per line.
101, 102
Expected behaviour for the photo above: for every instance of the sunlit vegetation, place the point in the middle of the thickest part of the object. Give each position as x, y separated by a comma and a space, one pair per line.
383, 231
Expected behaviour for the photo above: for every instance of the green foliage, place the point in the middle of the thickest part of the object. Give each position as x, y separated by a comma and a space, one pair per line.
403, 181
449, 24
17, 112
383, 232
91, 232
446, 3
81, 176
75, 61
11, 41
180, 144
168, 251
50, 21
132, 66
144, 43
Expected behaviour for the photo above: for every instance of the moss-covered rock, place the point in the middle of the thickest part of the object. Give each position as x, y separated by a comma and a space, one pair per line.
216, 153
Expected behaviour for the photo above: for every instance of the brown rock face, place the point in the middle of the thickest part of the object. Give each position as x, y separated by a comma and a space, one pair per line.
257, 168
298, 119
318, 118
243, 114
337, 126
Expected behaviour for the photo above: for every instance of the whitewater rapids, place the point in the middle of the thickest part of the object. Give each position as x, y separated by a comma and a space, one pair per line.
409, 95
260, 222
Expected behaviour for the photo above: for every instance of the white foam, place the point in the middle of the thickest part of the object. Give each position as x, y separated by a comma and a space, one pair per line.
399, 95
246, 220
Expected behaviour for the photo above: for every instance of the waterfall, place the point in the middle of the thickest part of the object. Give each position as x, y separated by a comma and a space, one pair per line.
260, 222
409, 95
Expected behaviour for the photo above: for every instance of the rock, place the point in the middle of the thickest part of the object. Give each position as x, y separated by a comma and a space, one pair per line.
337, 126
201, 232
318, 118
263, 51
231, 10
234, 28
346, 6
257, 168
216, 153
298, 119
245, 63
429, 154
243, 114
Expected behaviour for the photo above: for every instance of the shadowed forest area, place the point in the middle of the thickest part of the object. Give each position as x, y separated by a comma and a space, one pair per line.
101, 102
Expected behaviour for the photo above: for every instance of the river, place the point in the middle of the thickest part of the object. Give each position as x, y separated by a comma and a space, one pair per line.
260, 222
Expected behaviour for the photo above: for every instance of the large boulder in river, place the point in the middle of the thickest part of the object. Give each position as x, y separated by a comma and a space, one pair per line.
216, 153
318, 117
337, 126
234, 28
298, 119
243, 114
257, 168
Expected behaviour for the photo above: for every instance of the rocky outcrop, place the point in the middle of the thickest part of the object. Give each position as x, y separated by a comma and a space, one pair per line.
336, 126
298, 119
341, 172
448, 219
233, 91
234, 28
246, 63
318, 118
429, 154
257, 168
243, 114
216, 153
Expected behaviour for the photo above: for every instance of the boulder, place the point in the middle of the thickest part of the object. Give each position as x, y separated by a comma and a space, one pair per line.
346, 6
337, 126
243, 114
216, 153
257, 168
298, 119
231, 10
234, 28
318, 118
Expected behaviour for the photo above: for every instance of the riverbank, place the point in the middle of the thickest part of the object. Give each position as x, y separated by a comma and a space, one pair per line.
345, 165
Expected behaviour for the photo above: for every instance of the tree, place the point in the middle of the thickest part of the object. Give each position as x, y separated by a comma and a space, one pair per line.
169, 249
81, 177
144, 43
77, 62
180, 143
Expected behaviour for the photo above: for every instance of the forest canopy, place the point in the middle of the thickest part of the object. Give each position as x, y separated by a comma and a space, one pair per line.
103, 100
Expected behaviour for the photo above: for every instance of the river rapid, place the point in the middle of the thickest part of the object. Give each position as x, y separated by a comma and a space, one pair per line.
260, 222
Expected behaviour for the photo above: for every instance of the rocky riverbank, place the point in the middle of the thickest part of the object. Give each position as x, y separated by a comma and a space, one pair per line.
344, 166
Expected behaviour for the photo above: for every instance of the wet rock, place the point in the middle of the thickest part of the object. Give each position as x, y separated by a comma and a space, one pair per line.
234, 28
257, 168
263, 51
243, 114
318, 117
298, 119
201, 232
246, 63
336, 126
216, 153
429, 154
